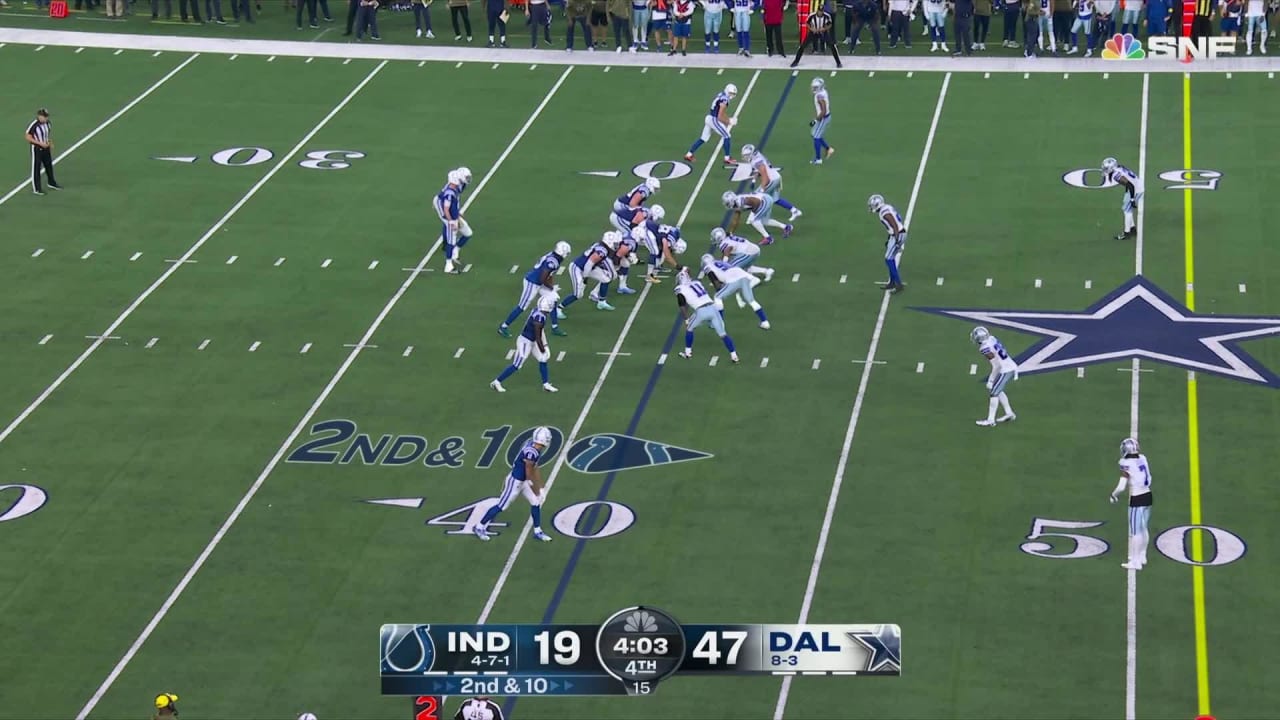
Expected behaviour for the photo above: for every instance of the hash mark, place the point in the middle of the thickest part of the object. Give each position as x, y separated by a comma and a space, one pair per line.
1026, 76
816, 363
408, 349
151, 343
514, 268
39, 48
87, 254
79, 50
204, 344
1228, 76
1080, 372
254, 347
910, 74
714, 359
360, 345
939, 280
1106, 76
795, 73
682, 70
279, 262
424, 62
510, 354
986, 76
844, 278
1088, 284
305, 347
271, 59
45, 340
919, 367
833, 73
988, 282
134, 257
459, 353
1242, 289
327, 262
644, 70
1066, 76
1038, 283
38, 252
309, 60
973, 369
795, 278
373, 264
347, 61
155, 54
871, 74
764, 362
606, 68
495, 66
232, 259
720, 71
662, 359
458, 65
233, 57
466, 268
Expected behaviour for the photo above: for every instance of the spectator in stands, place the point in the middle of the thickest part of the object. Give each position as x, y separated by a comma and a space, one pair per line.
600, 22
578, 11
1012, 9
981, 23
712, 14
682, 25
1132, 18
421, 18
772, 11
963, 10
537, 15
620, 16
900, 12
1231, 12
460, 9
1031, 27
659, 22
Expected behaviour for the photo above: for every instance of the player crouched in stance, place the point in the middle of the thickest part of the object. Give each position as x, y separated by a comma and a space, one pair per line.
663, 243
897, 240
729, 280
525, 478
537, 282
1003, 369
739, 252
533, 339
759, 209
594, 264
1113, 171
1135, 473
454, 229
768, 179
698, 308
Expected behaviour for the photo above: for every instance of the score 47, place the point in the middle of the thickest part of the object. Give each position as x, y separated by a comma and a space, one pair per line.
717, 645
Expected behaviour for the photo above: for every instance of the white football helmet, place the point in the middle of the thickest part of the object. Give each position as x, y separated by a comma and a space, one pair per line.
682, 277
653, 183
679, 246
464, 174
718, 235
1129, 446
731, 90
657, 212
875, 202
1109, 165
708, 259
541, 436
747, 151
817, 84
979, 335
548, 301
454, 178
730, 200
563, 249
611, 239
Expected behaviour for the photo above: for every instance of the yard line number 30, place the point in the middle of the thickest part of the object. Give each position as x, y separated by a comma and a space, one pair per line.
315, 159
1047, 539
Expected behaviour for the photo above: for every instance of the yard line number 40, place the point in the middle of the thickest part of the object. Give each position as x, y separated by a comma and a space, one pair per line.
1047, 539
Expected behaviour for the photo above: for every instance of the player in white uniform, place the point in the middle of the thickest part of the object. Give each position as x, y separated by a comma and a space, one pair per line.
894, 244
821, 118
731, 280
698, 308
1124, 177
759, 209
1003, 369
935, 17
1135, 473
767, 179
719, 122
1255, 15
739, 252
1083, 23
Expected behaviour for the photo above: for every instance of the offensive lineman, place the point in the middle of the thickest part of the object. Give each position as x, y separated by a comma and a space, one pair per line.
698, 308
628, 209
1132, 184
768, 179
533, 340
593, 264
739, 252
897, 240
454, 228
1003, 369
1135, 473
538, 281
718, 121
821, 118
663, 243
526, 479
759, 209
729, 280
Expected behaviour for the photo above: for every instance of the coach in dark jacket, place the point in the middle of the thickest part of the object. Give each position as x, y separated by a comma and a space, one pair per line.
865, 12
964, 26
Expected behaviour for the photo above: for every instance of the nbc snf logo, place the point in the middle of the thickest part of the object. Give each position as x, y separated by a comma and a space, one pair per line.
1123, 47
1127, 47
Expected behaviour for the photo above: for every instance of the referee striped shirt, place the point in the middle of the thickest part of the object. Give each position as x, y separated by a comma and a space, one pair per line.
819, 22
39, 130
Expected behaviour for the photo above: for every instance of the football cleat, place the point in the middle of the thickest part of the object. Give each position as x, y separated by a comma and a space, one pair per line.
626, 291
768, 240
795, 213
786, 231
1007, 418
497, 386
481, 533
986, 423
764, 325
550, 388
504, 331
768, 275
555, 330
733, 356
688, 157
538, 534
602, 305
686, 354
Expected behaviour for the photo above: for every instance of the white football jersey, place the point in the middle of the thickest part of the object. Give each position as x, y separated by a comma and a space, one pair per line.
1000, 359
725, 272
694, 294
819, 98
730, 246
1124, 172
1139, 474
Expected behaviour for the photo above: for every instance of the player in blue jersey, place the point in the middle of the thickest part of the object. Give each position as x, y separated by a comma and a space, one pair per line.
538, 281
767, 179
524, 479
453, 227
698, 308
594, 264
1113, 171
663, 243
532, 341
637, 196
624, 255
759, 209
897, 240
821, 118
718, 122
729, 280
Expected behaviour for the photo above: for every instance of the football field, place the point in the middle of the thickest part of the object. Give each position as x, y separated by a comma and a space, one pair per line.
246, 417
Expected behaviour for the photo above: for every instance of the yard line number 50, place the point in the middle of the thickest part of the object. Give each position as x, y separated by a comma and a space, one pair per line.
1047, 539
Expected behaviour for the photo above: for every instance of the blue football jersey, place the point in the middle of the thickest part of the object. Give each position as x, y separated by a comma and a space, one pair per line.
642, 190
447, 202
721, 100
530, 331
528, 452
549, 263
599, 249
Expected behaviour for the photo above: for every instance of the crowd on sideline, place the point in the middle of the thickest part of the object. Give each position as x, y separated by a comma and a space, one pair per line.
1048, 26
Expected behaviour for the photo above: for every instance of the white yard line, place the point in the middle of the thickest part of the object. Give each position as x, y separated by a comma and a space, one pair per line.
1131, 586
834, 497
713, 162
315, 406
186, 257
60, 155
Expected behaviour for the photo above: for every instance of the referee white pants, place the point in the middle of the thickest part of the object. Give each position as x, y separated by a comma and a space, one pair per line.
512, 487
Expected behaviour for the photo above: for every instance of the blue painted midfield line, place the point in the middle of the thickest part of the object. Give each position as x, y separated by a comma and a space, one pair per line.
590, 519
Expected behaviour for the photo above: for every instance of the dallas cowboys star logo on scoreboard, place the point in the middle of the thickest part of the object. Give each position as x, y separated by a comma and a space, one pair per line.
885, 645
1136, 320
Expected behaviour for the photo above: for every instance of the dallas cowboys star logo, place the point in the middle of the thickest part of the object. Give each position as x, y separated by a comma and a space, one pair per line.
884, 642
1136, 320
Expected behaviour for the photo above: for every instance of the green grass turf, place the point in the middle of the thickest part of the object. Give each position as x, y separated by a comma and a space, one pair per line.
146, 451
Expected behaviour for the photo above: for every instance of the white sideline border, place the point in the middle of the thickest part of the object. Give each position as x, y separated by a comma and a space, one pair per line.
854, 63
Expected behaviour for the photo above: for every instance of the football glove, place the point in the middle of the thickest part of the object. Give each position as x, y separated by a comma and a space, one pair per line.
812, 123
1114, 498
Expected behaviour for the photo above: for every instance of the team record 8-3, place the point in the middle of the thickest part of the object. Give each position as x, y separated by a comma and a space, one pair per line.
628, 654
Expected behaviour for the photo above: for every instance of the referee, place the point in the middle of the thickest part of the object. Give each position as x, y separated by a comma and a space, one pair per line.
819, 26
41, 151
479, 708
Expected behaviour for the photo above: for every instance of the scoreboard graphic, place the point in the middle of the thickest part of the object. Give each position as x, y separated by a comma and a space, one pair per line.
628, 654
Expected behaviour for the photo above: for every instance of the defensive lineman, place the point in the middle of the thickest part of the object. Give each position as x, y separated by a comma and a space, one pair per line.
768, 178
1113, 171
538, 281
897, 240
454, 228
526, 479
759, 209
729, 280
698, 308
739, 252
1003, 369
821, 118
532, 340
1135, 473
718, 121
